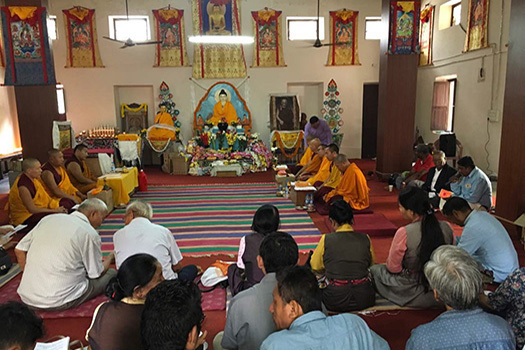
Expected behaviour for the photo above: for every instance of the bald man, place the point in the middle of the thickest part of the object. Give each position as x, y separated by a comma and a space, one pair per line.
313, 165
352, 188
78, 170
28, 200
56, 180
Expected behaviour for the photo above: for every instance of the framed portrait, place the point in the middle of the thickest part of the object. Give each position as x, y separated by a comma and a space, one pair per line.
284, 112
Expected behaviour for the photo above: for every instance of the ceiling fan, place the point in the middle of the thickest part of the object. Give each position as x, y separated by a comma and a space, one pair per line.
129, 42
318, 43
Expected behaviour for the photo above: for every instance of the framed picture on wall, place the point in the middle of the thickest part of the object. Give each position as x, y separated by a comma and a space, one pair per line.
284, 112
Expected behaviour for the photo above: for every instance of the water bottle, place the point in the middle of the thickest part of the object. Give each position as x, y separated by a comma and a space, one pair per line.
286, 191
310, 205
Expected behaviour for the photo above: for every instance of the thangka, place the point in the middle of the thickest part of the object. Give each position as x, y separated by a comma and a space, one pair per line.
426, 35
404, 27
332, 108
211, 61
82, 44
27, 53
343, 31
268, 49
477, 28
169, 26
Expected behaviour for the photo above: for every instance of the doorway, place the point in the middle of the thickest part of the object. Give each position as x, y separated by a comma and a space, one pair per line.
310, 97
369, 127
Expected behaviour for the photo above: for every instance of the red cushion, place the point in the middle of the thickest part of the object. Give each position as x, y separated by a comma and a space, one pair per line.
372, 224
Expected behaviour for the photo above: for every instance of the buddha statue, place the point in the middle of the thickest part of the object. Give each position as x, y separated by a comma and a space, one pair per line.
217, 21
223, 111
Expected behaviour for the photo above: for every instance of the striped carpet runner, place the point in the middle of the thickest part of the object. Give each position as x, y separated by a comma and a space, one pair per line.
211, 219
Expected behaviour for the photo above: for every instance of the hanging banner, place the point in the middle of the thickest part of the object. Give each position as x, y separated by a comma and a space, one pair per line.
169, 26
211, 61
28, 57
477, 27
343, 32
404, 27
267, 28
426, 35
82, 44
2, 59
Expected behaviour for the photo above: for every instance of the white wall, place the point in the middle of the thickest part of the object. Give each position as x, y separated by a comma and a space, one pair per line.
473, 98
9, 132
90, 91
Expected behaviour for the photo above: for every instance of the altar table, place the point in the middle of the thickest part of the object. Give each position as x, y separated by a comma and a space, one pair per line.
122, 184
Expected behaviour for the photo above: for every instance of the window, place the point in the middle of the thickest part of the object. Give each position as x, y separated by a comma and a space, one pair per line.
52, 27
61, 100
135, 28
443, 105
373, 29
455, 19
304, 28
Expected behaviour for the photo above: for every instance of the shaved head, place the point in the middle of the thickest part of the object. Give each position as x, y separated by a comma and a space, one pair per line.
53, 152
30, 163
56, 158
341, 158
314, 144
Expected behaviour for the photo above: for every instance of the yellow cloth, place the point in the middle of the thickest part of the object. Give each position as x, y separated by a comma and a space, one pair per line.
228, 113
323, 173
160, 133
18, 212
84, 188
314, 166
353, 188
122, 185
65, 185
334, 178
306, 157
24, 12
317, 260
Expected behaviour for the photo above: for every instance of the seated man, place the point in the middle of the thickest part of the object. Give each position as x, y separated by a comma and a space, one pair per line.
172, 317
249, 321
296, 310
163, 118
324, 169
223, 111
140, 235
305, 158
61, 259
456, 281
313, 165
352, 188
323, 188
78, 171
21, 328
418, 174
473, 185
56, 180
29, 201
483, 237
438, 177
319, 128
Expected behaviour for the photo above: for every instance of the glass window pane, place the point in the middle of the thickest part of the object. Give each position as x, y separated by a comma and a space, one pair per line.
134, 29
61, 101
52, 27
305, 29
456, 14
373, 28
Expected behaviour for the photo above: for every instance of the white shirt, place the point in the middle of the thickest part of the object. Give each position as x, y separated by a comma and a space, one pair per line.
432, 192
143, 236
63, 251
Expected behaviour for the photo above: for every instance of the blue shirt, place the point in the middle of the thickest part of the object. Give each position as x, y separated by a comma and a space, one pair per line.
463, 330
323, 132
487, 241
474, 188
315, 330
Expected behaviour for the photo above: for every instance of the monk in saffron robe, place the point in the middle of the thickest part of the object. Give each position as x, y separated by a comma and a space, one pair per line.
308, 155
324, 169
314, 164
56, 180
352, 188
29, 201
223, 111
78, 171
163, 118
334, 177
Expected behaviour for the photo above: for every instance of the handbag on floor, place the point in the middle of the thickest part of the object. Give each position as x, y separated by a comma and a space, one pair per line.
5, 262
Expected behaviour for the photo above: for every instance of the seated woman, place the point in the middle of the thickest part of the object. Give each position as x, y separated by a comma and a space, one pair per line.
401, 280
223, 111
508, 301
349, 285
116, 323
163, 118
28, 200
246, 272
78, 170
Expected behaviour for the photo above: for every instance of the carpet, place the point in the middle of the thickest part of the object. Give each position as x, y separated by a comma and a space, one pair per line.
211, 219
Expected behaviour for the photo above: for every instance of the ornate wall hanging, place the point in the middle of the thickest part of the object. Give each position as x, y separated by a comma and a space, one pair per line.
211, 61
404, 27
343, 31
332, 107
169, 28
477, 27
28, 57
267, 28
81, 32
426, 35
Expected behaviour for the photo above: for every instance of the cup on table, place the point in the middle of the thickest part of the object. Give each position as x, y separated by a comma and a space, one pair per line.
390, 188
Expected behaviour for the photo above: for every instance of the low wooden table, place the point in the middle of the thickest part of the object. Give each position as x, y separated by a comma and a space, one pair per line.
299, 197
230, 170
122, 185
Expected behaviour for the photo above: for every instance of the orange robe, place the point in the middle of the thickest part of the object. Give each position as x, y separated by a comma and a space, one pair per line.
323, 173
334, 178
352, 188
306, 157
64, 185
314, 166
18, 212
226, 112
83, 188
161, 133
